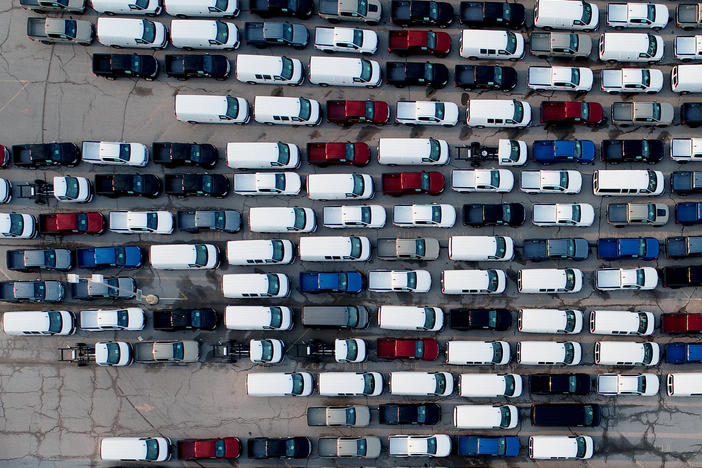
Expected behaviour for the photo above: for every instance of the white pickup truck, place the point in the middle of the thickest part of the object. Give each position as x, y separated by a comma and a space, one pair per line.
632, 80
683, 150
482, 180
637, 15
418, 281
563, 214
619, 384
609, 279
131, 318
347, 216
688, 48
437, 445
141, 222
346, 40
426, 113
69, 189
546, 181
17, 226
267, 183
115, 153
434, 215
560, 78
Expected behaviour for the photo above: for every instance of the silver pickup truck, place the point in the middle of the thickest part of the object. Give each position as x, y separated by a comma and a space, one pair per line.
650, 114
689, 16
350, 10
358, 416
363, 447
59, 30
44, 6
166, 351
407, 249
560, 44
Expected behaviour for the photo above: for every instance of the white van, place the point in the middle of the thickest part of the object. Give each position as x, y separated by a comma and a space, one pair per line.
627, 183
560, 447
392, 317
686, 79
135, 449
273, 219
132, 33
260, 252
258, 318
627, 353
566, 321
621, 322
498, 113
272, 384
489, 385
344, 71
682, 384
211, 8
485, 416
184, 256
198, 108
278, 110
339, 186
413, 383
127, 7
566, 14
549, 353
39, 323
481, 248
350, 383
335, 249
631, 47
413, 151
549, 280
260, 155
255, 285
477, 353
269, 69
491, 44
473, 281
204, 34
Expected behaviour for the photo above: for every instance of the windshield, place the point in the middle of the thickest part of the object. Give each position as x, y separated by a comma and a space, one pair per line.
125, 150
278, 250
419, 348
497, 73
652, 181
506, 212
493, 280
440, 384
273, 284
142, 4
572, 383
276, 317
351, 350
298, 384
16, 224
646, 77
71, 28
570, 279
232, 107
429, 318
287, 68
283, 154
411, 279
343, 281
433, 10
651, 212
492, 318
362, 7
350, 416
420, 247
509, 385
366, 70
434, 149
421, 414
651, 12
220, 448
576, 213
439, 110
50, 257
55, 322
428, 72
358, 185
151, 449
570, 321
349, 152
149, 35
122, 318
643, 322
151, 221
368, 383
511, 46
656, 111
200, 255
113, 354
496, 351
584, 111
370, 110
300, 218
72, 189
518, 111
365, 214
178, 351
222, 33
513, 150
574, 42
569, 351
288, 32
436, 214
305, 109
354, 316
431, 445
431, 40
289, 448
640, 277
266, 350
575, 76
500, 247
587, 13
582, 447
361, 447
505, 416
564, 179
494, 179
280, 182
357, 37
652, 46
356, 247
641, 384
648, 353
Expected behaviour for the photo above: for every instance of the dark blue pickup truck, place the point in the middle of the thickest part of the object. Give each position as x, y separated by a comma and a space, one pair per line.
688, 213
556, 151
681, 353
345, 281
682, 246
477, 446
644, 248
128, 256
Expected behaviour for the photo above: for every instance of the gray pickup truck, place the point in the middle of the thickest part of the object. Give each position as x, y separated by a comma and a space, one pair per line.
166, 351
344, 447
689, 16
560, 44
650, 114
59, 30
422, 248
352, 416
368, 11
624, 214
51, 6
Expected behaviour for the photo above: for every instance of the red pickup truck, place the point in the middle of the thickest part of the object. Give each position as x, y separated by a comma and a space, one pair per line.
419, 42
426, 349
71, 223
571, 112
336, 153
351, 112
681, 323
407, 183
227, 447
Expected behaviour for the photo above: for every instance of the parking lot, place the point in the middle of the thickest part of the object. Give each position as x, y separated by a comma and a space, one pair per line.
54, 414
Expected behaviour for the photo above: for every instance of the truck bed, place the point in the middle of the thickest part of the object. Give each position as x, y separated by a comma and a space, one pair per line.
36, 27
540, 41
608, 278
545, 213
329, 7
89, 319
535, 249
617, 13
143, 351
531, 180
386, 248
327, 446
324, 36
400, 10
334, 215
336, 110
622, 111
317, 416
688, 14
686, 45
471, 11
540, 76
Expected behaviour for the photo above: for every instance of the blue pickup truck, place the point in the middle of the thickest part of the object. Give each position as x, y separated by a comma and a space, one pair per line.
344, 281
643, 248
556, 151
478, 446
688, 213
681, 353
128, 256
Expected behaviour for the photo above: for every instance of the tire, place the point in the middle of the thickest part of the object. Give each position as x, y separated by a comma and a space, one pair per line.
251, 82
323, 85
181, 16
192, 122
189, 49
109, 13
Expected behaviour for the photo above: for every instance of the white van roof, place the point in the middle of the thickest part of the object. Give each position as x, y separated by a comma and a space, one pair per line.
475, 248
536, 318
133, 27
478, 351
193, 28
340, 65
265, 64
553, 446
238, 283
37, 322
331, 383
477, 415
419, 382
684, 383
189, 103
264, 382
616, 320
533, 351
248, 317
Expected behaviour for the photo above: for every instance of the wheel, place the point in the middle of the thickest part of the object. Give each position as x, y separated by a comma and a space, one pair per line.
513, 59
472, 58
448, 125
657, 28
618, 28
188, 48
181, 16
46, 42
327, 51
547, 28
220, 78
192, 121
335, 21
323, 85
109, 13
372, 23
251, 82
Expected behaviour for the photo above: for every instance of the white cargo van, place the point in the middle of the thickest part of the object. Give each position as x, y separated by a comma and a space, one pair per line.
489, 385
260, 155
127, 7
498, 113
549, 353
477, 353
549, 280
627, 353
255, 285
481, 248
682, 384
567, 321
473, 281
574, 15
184, 256
413, 151
350, 383
132, 33
335, 249
274, 219
278, 110
491, 44
196, 108
413, 383
686, 79
204, 34
392, 317
272, 384
258, 318
149, 449
211, 8
39, 323
485, 416
260, 252
627, 183
631, 47
560, 447
344, 71
339, 186
269, 69
621, 322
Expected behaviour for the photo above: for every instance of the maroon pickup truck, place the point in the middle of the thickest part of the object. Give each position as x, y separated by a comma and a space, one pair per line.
419, 42
71, 223
351, 112
426, 349
407, 183
571, 112
338, 154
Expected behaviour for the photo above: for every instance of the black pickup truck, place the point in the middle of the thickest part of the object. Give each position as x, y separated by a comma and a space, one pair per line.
537, 250
421, 12
209, 185
116, 185
678, 277
185, 319
471, 77
302, 9
686, 182
618, 151
683, 246
197, 66
480, 319
45, 154
492, 14
267, 34
401, 74
184, 154
42, 259
482, 214
112, 66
